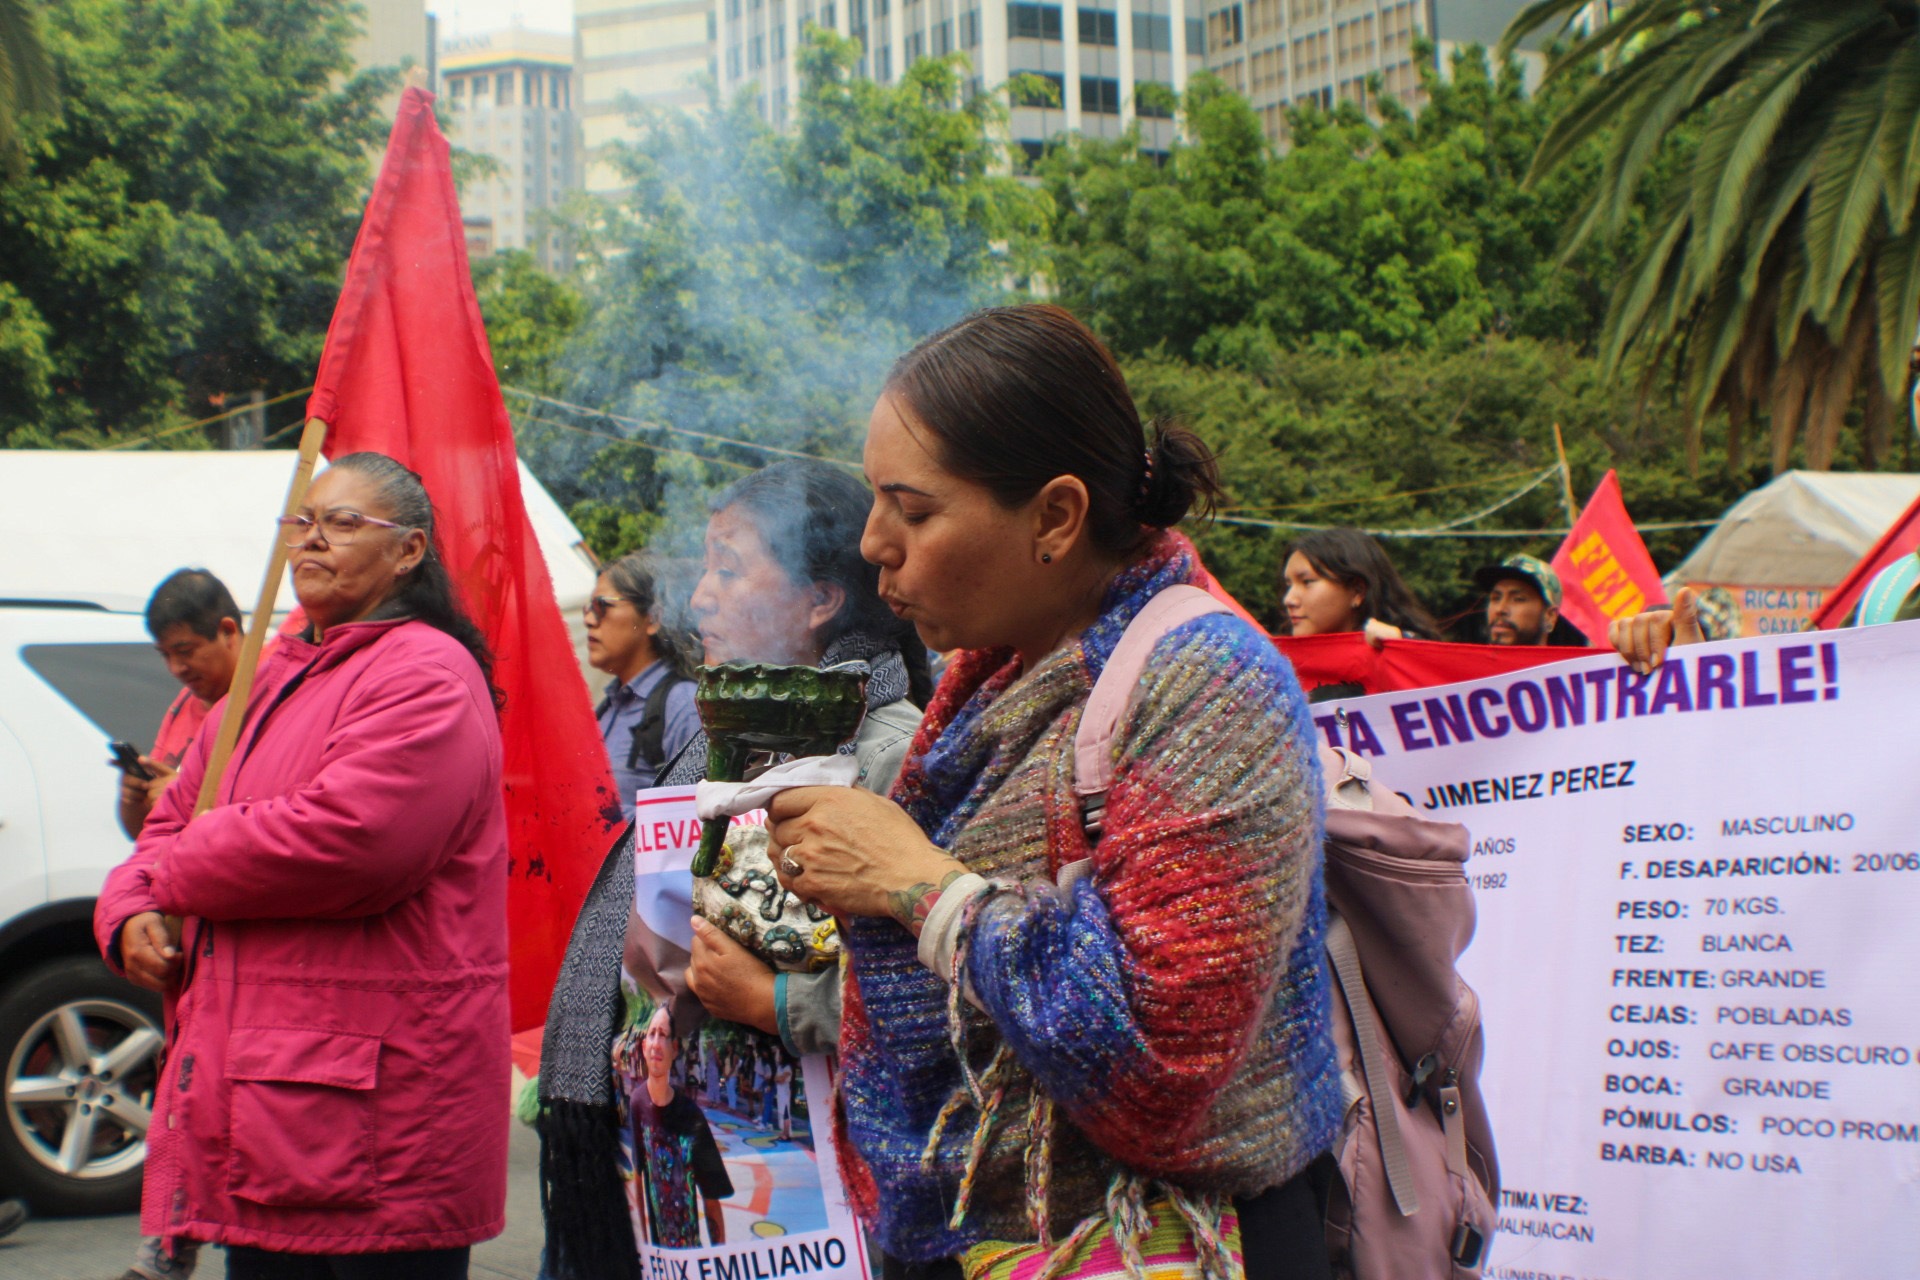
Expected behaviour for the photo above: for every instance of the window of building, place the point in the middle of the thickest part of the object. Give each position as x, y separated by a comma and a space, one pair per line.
1225, 28
1196, 38
883, 64
713, 26
503, 89
1152, 33
1033, 96
1034, 150
779, 43
733, 63
943, 38
826, 16
1033, 21
1099, 26
1100, 95
970, 29
1154, 104
456, 88
756, 53
916, 48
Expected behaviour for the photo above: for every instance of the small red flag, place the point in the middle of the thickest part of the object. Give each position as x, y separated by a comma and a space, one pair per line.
1605, 571
1900, 540
407, 372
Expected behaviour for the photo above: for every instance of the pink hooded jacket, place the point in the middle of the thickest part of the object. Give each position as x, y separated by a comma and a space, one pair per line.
336, 1077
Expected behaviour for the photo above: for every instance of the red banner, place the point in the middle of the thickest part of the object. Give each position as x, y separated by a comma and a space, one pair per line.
1347, 658
1901, 540
407, 372
1605, 571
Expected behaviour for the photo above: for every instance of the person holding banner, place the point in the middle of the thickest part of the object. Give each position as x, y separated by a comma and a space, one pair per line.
783, 582
1046, 1021
333, 1089
1342, 580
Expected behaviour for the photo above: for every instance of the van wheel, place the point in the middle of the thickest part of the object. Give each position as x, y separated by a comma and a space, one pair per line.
81, 1049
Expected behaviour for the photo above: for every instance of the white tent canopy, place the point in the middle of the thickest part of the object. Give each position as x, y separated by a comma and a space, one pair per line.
108, 526
1806, 529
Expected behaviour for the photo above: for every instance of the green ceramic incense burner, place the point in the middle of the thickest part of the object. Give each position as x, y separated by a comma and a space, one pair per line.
749, 707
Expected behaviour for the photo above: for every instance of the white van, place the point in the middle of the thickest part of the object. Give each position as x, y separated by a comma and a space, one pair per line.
79, 1046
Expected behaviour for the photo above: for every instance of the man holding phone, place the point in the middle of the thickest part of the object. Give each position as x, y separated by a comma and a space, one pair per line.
195, 625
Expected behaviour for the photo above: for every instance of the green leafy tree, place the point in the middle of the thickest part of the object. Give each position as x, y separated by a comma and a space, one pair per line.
531, 317
182, 227
1388, 232
756, 285
1413, 440
1780, 275
26, 75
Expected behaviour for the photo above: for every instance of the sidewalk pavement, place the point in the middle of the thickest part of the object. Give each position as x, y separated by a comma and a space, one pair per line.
101, 1248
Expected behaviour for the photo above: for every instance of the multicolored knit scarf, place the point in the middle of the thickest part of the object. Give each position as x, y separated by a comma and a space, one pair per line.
1171, 1009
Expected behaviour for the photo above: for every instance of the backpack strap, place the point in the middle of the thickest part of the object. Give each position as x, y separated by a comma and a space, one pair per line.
1113, 693
650, 735
1380, 1091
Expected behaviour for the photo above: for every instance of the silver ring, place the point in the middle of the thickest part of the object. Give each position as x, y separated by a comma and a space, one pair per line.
788, 865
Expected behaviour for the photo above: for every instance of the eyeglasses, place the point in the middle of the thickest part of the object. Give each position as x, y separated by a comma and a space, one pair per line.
337, 528
597, 606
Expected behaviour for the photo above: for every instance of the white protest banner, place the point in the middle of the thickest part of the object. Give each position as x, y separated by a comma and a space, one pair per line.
1698, 901
729, 1164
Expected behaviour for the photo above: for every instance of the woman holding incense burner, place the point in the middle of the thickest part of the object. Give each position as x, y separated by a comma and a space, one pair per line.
783, 582
338, 1002
1163, 1016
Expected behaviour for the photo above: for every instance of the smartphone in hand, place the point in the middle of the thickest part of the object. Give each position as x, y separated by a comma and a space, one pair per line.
126, 758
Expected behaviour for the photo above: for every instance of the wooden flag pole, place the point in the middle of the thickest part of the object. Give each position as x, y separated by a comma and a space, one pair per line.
311, 439
1566, 477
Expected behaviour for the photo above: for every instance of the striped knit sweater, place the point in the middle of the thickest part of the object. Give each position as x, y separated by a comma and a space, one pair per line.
1172, 1007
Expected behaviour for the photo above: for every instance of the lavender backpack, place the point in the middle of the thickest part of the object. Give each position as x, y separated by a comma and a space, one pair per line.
1418, 1178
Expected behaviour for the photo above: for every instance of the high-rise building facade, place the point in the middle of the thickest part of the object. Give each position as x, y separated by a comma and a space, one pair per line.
510, 95
1098, 56
1280, 53
650, 51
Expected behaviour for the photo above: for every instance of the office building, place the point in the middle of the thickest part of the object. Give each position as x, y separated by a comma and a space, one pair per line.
1098, 56
1279, 53
656, 52
395, 33
510, 96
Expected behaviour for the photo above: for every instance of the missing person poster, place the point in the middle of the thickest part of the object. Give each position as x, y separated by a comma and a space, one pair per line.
727, 1144
1699, 929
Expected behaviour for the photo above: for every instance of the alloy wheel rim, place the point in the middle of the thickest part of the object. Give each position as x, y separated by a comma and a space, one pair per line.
79, 1088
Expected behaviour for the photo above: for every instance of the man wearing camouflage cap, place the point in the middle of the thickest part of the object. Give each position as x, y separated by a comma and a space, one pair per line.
1523, 600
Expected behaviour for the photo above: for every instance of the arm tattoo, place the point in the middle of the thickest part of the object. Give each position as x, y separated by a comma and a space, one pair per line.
912, 906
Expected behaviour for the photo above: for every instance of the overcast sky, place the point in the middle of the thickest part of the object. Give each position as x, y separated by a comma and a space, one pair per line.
476, 17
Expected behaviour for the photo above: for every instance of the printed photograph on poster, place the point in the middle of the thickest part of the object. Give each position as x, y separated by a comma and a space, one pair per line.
726, 1152
716, 1133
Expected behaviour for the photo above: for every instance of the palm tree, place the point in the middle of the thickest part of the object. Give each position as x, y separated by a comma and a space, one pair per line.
26, 75
1781, 270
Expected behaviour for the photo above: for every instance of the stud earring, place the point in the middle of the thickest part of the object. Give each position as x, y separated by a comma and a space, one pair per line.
1046, 557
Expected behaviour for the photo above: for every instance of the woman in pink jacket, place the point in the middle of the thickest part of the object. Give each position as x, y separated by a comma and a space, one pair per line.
335, 1088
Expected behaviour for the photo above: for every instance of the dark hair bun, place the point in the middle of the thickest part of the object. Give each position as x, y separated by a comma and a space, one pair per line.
1181, 476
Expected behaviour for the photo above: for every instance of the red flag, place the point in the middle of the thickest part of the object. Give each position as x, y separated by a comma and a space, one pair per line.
1605, 571
1900, 540
1346, 658
407, 372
